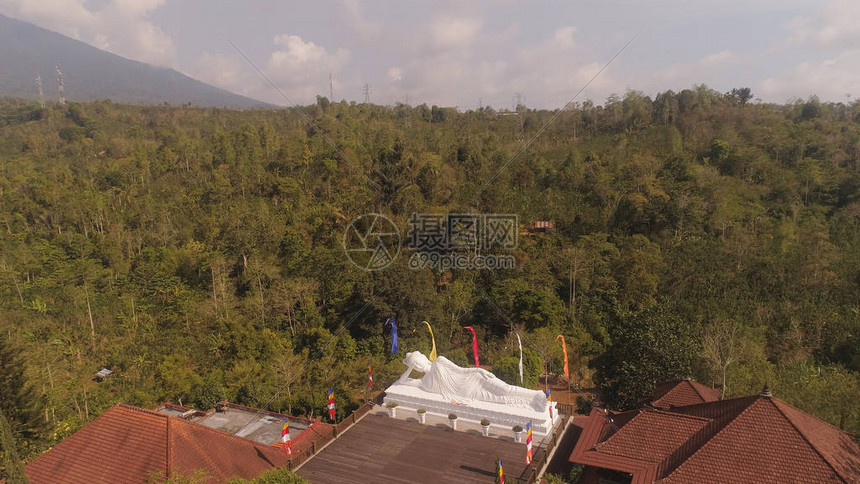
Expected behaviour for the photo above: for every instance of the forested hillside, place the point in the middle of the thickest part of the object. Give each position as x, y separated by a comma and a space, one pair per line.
198, 252
93, 74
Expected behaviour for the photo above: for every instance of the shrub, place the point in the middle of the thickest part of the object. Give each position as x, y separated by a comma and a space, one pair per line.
485, 422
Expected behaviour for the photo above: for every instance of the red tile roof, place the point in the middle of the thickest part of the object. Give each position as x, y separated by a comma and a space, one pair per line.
679, 393
748, 439
652, 435
130, 444
764, 444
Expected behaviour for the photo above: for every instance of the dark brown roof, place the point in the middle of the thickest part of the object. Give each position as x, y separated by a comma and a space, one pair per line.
748, 439
679, 393
130, 444
382, 449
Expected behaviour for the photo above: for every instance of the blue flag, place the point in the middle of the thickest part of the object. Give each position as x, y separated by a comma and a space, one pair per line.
395, 345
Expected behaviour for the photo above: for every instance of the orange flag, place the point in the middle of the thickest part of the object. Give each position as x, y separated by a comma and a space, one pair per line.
564, 349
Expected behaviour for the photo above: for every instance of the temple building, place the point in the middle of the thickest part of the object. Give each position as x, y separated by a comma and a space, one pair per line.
684, 434
132, 444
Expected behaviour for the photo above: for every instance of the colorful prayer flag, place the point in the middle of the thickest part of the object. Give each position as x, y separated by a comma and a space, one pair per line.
285, 438
395, 344
474, 344
331, 403
433, 340
529, 443
501, 473
549, 402
369, 377
520, 342
564, 348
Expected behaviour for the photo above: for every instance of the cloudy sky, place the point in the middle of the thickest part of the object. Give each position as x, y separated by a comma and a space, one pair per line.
469, 52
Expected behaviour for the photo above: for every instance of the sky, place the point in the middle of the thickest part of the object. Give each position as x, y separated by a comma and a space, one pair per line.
478, 53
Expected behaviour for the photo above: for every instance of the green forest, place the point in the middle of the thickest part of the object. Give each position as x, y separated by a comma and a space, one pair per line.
198, 253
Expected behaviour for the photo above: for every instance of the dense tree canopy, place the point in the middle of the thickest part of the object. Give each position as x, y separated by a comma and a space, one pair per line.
198, 252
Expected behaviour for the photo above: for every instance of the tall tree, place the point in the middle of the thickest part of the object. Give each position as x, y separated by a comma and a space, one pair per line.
18, 401
13, 466
722, 345
652, 346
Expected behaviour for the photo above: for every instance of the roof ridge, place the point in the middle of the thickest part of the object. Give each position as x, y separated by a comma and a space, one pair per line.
133, 408
677, 414
714, 436
847, 434
803, 434
695, 389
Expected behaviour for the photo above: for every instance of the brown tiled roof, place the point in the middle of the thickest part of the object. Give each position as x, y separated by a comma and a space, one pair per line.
652, 435
771, 441
130, 444
748, 439
679, 393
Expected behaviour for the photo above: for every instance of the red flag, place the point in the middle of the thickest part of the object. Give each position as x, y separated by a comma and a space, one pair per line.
564, 349
474, 344
331, 403
369, 377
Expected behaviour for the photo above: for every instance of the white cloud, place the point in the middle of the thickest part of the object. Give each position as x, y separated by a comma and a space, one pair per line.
563, 37
302, 68
121, 26
299, 68
696, 72
395, 74
448, 32
364, 28
829, 79
832, 66
836, 25
226, 71
454, 65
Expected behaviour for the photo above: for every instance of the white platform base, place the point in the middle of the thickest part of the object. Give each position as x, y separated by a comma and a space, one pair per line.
410, 398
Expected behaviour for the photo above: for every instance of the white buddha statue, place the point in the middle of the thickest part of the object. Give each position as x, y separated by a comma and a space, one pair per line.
466, 385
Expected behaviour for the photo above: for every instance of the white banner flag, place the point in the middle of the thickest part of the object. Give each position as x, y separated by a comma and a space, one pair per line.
521, 357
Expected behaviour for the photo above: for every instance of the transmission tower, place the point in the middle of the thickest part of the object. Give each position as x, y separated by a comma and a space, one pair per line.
61, 86
367, 92
330, 87
518, 101
41, 93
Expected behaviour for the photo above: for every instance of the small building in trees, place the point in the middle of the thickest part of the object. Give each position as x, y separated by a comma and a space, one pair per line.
102, 374
539, 227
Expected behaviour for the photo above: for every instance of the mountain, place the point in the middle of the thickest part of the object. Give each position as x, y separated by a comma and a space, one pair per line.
91, 74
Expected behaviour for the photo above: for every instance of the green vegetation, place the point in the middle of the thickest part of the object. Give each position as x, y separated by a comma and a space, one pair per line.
197, 252
274, 476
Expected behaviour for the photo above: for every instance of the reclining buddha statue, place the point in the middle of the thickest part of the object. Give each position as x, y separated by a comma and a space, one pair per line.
467, 385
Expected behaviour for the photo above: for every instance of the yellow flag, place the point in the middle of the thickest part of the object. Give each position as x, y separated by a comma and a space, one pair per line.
433, 339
